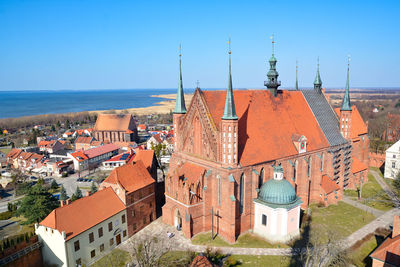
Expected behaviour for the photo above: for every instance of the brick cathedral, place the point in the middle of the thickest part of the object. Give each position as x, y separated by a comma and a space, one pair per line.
228, 142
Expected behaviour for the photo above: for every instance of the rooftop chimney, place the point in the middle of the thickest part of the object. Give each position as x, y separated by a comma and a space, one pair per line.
87, 193
62, 203
67, 202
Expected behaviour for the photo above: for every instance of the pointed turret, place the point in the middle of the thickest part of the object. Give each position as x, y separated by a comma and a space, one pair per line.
346, 105
272, 84
345, 119
297, 78
230, 110
180, 107
318, 81
229, 125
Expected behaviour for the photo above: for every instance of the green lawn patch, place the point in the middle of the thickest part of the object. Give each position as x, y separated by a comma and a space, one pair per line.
177, 258
261, 261
372, 195
245, 241
116, 258
360, 256
343, 219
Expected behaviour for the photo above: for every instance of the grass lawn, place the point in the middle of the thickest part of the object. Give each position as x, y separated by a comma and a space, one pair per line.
116, 258
177, 258
343, 219
360, 256
261, 261
245, 241
26, 228
372, 195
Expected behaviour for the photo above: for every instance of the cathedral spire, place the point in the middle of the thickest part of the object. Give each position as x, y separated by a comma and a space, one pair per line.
317, 81
297, 78
180, 107
230, 110
272, 84
346, 105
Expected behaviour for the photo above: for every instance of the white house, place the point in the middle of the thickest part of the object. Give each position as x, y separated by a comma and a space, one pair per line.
392, 162
80, 233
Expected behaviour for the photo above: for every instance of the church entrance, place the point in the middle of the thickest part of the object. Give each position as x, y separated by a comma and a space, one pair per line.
178, 220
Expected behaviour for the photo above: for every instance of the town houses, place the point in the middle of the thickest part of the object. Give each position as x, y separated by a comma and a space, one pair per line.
227, 144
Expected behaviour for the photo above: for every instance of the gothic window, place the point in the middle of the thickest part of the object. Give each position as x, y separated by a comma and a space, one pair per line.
295, 171
264, 219
219, 190
309, 167
261, 178
322, 162
241, 194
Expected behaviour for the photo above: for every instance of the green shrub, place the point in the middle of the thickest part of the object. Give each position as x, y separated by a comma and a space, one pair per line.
6, 215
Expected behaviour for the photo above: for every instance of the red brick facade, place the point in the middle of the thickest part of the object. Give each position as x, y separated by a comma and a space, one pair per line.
218, 165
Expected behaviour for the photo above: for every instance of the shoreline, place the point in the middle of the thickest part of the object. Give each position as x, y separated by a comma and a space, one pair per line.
162, 107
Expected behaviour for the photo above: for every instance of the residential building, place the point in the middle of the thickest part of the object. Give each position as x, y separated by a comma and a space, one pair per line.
227, 143
115, 128
142, 127
136, 188
57, 167
80, 233
86, 142
155, 140
118, 160
51, 146
24, 161
388, 254
93, 157
392, 161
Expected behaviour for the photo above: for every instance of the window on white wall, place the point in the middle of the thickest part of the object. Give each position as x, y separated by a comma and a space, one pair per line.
393, 164
264, 219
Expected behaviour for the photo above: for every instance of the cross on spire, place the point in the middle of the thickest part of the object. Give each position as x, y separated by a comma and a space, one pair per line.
230, 110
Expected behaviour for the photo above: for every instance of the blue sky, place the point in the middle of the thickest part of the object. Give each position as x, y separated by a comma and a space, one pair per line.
134, 44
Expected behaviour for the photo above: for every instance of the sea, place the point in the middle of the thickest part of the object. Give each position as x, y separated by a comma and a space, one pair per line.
36, 102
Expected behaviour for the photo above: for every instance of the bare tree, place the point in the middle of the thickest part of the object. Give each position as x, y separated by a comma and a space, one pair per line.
149, 251
324, 250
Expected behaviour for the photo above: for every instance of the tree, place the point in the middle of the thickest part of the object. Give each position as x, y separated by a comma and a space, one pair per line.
396, 183
324, 249
77, 194
148, 251
54, 185
37, 204
63, 194
93, 188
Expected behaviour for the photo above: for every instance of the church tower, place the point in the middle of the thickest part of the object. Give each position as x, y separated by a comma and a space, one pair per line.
272, 84
229, 124
345, 110
318, 81
180, 108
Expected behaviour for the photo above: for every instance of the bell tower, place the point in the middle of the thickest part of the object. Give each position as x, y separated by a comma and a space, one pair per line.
180, 108
229, 124
345, 110
272, 84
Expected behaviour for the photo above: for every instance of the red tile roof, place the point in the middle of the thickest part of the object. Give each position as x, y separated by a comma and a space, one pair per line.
130, 176
190, 172
84, 213
328, 185
142, 126
388, 251
114, 122
358, 126
83, 140
358, 165
14, 153
201, 261
119, 156
94, 152
258, 110
158, 138
146, 156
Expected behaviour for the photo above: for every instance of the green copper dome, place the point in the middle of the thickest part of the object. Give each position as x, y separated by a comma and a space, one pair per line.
277, 192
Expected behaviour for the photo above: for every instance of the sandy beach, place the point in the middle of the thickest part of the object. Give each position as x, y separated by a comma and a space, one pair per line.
162, 107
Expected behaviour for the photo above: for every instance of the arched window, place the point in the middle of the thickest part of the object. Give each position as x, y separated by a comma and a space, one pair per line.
309, 167
219, 190
241, 194
261, 178
295, 171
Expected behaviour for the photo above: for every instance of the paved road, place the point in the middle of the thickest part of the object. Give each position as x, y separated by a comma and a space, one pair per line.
383, 184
